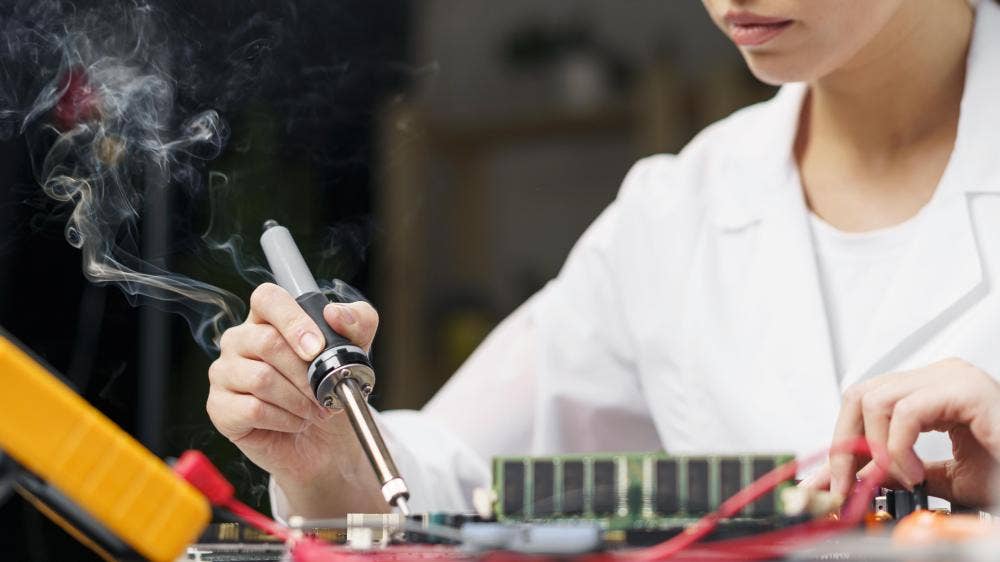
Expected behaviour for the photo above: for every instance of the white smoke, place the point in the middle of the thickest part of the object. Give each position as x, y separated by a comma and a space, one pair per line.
101, 123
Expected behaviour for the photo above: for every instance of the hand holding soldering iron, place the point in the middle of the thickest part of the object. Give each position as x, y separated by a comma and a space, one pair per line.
261, 400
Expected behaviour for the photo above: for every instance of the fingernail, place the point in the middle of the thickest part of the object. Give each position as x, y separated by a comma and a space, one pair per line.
310, 344
914, 472
346, 314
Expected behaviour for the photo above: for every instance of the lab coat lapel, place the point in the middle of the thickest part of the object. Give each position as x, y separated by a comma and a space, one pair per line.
943, 273
940, 278
792, 333
786, 324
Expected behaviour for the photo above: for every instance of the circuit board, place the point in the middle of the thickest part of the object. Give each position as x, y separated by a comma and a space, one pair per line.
634, 516
629, 491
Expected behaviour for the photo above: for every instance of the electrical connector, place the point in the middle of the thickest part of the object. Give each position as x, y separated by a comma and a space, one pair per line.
195, 467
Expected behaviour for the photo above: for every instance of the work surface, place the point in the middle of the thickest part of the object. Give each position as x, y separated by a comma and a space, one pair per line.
859, 546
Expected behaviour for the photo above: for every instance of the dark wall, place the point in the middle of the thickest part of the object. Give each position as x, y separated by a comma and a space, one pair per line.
301, 150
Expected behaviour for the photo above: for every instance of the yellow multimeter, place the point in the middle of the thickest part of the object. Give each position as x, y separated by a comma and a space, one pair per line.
68, 445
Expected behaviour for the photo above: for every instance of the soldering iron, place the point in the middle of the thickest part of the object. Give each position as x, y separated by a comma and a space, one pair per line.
341, 376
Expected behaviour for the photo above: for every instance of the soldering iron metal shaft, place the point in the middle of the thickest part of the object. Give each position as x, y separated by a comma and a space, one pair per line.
341, 376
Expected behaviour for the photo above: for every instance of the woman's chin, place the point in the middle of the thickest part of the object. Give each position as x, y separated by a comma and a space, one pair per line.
776, 69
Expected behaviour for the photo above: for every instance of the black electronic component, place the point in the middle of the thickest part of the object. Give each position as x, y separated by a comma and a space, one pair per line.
513, 487
604, 494
900, 503
544, 489
765, 506
667, 501
730, 478
697, 477
572, 489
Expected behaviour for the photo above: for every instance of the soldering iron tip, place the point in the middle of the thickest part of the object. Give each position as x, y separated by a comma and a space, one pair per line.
403, 507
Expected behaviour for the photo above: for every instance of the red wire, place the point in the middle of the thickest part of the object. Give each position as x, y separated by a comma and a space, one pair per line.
851, 515
765, 545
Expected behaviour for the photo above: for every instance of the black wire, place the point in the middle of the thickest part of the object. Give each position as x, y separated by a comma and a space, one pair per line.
34, 538
6, 478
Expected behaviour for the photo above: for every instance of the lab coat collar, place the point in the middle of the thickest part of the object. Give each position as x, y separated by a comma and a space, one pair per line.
761, 158
941, 277
764, 149
790, 331
973, 163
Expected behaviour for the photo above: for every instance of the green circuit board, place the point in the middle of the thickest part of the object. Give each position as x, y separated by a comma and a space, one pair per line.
629, 491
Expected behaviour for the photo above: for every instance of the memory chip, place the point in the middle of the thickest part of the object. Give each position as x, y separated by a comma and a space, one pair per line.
604, 488
572, 490
667, 501
513, 487
765, 505
730, 478
544, 489
622, 491
697, 486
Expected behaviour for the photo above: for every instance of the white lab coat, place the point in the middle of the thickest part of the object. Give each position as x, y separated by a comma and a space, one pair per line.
689, 317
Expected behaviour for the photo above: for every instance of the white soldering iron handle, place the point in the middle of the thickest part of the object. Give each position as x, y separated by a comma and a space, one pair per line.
286, 261
340, 358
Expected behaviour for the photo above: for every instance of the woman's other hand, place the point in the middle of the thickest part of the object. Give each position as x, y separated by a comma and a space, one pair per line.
892, 410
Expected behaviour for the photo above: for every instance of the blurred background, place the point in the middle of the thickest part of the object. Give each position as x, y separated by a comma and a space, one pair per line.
440, 156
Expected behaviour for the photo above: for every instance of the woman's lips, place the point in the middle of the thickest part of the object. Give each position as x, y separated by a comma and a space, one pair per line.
748, 29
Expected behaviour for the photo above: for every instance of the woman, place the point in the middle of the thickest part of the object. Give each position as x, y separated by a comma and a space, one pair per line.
847, 228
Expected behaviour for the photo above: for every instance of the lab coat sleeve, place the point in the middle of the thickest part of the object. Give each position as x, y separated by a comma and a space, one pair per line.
556, 376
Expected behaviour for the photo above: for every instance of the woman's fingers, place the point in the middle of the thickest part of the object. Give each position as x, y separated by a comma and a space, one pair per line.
892, 410
876, 410
270, 304
279, 333
918, 411
263, 342
889, 481
818, 480
236, 415
356, 321
850, 425
257, 378
867, 411
879, 409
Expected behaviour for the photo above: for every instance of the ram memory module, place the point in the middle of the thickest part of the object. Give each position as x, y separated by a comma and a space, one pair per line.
629, 491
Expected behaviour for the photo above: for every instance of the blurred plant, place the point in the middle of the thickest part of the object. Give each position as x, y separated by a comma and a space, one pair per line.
540, 46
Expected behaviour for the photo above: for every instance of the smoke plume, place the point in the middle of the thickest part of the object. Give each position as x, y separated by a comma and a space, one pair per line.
103, 132
122, 104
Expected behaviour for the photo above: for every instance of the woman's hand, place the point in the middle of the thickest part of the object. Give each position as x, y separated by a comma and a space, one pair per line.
260, 400
892, 410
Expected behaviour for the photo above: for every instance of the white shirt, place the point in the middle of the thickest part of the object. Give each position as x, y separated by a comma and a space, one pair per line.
856, 269
690, 316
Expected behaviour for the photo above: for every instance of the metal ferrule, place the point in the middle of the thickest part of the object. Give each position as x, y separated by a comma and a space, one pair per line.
395, 489
335, 365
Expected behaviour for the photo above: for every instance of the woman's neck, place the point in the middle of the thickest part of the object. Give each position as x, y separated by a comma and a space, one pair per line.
880, 99
876, 134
